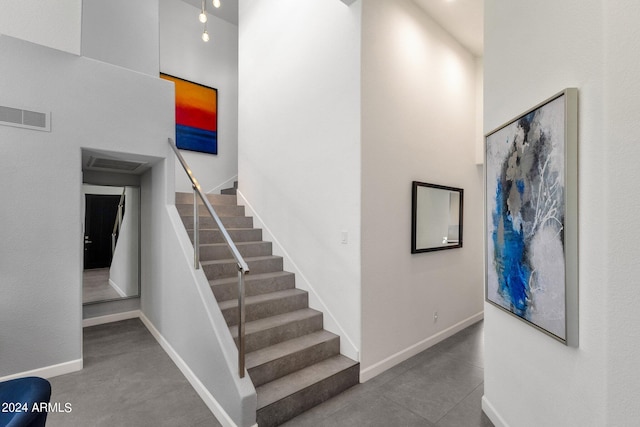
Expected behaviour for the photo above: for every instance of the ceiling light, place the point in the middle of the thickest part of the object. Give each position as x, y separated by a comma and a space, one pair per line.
202, 17
216, 3
205, 36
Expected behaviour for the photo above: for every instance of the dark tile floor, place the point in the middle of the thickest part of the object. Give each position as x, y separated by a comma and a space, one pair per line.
441, 387
129, 380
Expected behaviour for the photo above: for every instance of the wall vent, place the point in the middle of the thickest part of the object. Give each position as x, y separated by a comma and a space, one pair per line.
25, 119
113, 164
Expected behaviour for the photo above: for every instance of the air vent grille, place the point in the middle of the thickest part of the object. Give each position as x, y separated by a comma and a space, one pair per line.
25, 119
114, 164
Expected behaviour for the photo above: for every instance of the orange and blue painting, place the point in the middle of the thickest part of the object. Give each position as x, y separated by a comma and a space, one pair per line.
196, 116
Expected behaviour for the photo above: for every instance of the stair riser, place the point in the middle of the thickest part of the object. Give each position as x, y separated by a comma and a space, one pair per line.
267, 308
229, 291
186, 210
221, 251
258, 340
227, 221
229, 269
214, 199
292, 362
215, 236
295, 404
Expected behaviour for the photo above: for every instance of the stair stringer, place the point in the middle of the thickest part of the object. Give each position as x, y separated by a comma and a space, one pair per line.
347, 346
205, 344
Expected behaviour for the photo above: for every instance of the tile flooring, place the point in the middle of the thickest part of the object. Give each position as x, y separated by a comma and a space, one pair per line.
440, 387
96, 287
128, 380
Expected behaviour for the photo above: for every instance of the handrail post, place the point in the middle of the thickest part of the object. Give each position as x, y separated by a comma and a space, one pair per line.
241, 319
196, 231
243, 267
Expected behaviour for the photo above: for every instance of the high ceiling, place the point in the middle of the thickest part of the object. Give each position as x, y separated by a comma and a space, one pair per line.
463, 19
228, 9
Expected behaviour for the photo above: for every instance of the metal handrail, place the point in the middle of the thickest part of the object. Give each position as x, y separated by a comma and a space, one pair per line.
243, 267
118, 224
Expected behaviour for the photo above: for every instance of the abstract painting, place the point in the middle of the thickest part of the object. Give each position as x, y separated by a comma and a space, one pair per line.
196, 116
531, 217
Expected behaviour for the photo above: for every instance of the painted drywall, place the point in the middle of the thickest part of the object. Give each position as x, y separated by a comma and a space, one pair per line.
179, 303
299, 144
418, 123
53, 24
42, 225
530, 379
215, 64
128, 39
621, 112
125, 267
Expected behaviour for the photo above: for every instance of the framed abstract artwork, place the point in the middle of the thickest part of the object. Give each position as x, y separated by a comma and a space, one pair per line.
531, 218
196, 116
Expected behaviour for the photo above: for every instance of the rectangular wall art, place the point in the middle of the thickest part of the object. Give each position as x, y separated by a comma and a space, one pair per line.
196, 116
531, 217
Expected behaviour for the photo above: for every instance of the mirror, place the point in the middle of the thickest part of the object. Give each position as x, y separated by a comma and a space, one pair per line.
111, 243
436, 219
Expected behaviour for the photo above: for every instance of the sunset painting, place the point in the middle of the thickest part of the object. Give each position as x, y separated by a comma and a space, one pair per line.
196, 116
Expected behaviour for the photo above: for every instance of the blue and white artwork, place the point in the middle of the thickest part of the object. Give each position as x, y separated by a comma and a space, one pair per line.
526, 212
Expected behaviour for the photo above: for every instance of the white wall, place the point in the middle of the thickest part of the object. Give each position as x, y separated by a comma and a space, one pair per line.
55, 24
622, 109
418, 123
128, 39
215, 64
530, 379
124, 273
41, 268
299, 145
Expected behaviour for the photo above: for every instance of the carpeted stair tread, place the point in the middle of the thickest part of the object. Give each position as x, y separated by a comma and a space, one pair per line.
258, 299
258, 326
289, 385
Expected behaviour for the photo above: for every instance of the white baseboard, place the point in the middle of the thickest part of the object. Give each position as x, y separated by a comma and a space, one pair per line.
109, 318
117, 289
491, 412
48, 371
331, 324
202, 391
391, 361
227, 184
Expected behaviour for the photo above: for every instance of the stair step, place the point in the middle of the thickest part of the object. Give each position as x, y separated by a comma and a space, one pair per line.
286, 397
265, 305
281, 359
214, 199
275, 329
255, 284
208, 222
217, 269
237, 235
213, 251
221, 210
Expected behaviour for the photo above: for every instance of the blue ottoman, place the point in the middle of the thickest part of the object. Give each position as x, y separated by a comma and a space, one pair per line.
19, 398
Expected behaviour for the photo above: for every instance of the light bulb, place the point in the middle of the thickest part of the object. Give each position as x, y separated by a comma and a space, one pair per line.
202, 17
205, 36
216, 3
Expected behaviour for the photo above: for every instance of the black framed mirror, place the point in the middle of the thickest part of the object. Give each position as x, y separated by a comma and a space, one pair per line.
436, 217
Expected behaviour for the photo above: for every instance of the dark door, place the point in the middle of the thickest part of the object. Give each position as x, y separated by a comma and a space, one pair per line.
100, 215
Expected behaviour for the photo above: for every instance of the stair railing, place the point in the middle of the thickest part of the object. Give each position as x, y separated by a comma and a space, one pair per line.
243, 268
118, 223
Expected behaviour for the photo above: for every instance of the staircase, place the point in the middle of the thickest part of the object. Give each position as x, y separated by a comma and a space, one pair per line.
293, 362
